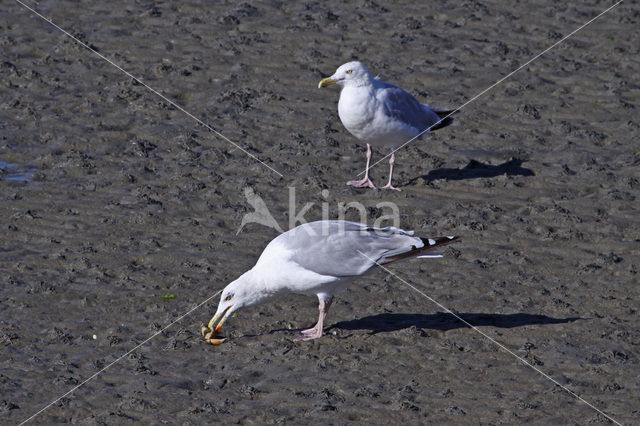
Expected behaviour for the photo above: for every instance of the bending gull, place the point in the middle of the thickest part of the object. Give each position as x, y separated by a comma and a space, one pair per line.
380, 114
319, 258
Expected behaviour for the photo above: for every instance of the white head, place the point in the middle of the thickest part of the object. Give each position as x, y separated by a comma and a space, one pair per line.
349, 74
240, 293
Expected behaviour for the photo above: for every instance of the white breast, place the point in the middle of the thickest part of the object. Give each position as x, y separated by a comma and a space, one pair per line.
356, 109
363, 116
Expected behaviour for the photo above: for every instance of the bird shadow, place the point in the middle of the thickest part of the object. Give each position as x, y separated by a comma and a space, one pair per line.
444, 321
475, 169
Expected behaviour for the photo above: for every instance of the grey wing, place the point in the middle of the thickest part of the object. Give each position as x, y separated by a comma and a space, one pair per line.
405, 108
346, 248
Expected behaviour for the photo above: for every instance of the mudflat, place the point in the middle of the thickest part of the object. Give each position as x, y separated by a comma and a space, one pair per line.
119, 213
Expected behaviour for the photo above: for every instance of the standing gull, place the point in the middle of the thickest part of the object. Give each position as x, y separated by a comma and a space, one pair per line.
319, 258
380, 114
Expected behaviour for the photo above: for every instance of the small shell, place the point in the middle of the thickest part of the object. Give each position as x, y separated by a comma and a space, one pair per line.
216, 342
204, 329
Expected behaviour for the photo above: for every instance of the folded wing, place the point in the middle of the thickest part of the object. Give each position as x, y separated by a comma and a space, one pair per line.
342, 249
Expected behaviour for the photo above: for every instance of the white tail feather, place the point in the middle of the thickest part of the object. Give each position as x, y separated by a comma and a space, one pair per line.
431, 256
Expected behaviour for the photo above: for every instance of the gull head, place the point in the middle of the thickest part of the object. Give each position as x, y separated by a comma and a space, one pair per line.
239, 294
350, 74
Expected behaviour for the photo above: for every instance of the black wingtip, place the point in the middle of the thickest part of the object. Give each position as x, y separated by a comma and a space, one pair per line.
439, 241
444, 123
442, 113
429, 243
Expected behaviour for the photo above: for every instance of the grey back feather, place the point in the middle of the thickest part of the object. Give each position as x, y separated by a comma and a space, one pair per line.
342, 248
402, 106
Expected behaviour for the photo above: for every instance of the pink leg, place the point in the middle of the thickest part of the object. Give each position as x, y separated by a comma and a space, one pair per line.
365, 182
392, 161
316, 331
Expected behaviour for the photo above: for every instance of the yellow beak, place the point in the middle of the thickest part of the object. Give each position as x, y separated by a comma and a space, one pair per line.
219, 317
326, 82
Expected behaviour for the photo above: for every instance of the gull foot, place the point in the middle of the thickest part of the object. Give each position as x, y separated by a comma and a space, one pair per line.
309, 336
308, 331
364, 183
389, 186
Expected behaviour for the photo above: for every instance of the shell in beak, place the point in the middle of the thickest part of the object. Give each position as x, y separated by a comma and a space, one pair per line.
212, 329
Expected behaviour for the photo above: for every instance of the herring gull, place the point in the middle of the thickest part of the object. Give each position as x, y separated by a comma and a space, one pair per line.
380, 114
318, 258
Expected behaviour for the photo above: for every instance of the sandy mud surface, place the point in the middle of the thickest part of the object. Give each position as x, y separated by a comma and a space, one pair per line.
119, 213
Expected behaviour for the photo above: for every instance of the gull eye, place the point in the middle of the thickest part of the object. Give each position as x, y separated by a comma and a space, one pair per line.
229, 297
349, 71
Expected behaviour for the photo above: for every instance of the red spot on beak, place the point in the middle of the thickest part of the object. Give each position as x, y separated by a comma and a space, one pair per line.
218, 329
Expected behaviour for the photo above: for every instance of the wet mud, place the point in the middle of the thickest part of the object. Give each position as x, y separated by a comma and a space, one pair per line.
119, 213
